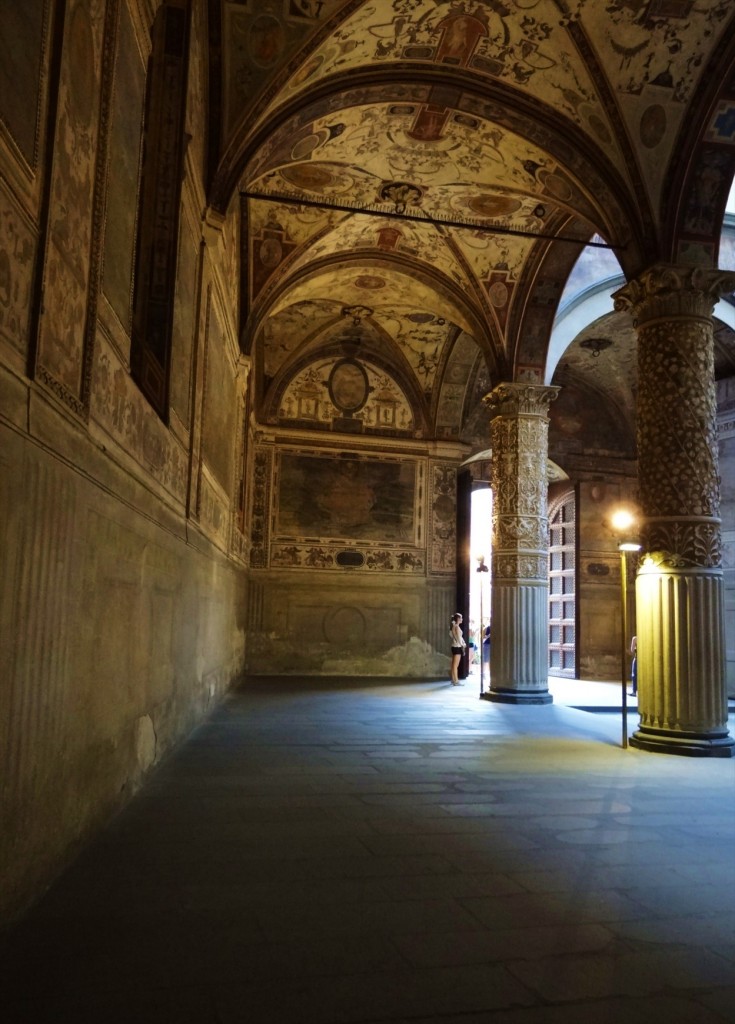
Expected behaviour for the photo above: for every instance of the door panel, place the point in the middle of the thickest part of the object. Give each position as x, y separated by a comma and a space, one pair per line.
562, 587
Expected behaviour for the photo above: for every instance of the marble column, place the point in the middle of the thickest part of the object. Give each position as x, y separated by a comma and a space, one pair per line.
682, 695
519, 431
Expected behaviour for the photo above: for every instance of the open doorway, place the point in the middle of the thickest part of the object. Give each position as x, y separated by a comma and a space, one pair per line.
480, 556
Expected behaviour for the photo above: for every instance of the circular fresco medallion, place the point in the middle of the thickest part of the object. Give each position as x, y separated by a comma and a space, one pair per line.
653, 126
310, 68
369, 281
556, 185
305, 147
309, 176
271, 252
266, 40
599, 127
498, 294
420, 318
494, 206
348, 385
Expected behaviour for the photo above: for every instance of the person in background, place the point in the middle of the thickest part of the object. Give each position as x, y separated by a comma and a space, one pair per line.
634, 667
458, 646
472, 645
486, 646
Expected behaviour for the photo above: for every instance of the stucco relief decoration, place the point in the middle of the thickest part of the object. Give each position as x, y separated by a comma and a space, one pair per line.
683, 545
118, 405
402, 194
16, 254
665, 290
310, 556
519, 440
65, 277
710, 185
678, 460
443, 516
259, 530
520, 566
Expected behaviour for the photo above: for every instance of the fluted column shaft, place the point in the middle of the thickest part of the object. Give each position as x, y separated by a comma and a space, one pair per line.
519, 432
682, 694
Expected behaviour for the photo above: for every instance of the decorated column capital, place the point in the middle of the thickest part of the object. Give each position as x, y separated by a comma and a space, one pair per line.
510, 399
665, 290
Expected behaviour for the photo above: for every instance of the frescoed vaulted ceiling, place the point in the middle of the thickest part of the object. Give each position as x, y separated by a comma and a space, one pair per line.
418, 178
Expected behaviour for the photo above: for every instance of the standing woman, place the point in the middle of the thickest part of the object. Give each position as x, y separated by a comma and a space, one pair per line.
458, 645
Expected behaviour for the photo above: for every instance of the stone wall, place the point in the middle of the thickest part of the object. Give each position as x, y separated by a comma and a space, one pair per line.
121, 628
122, 539
598, 578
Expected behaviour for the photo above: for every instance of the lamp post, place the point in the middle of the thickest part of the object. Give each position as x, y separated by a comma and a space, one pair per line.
482, 567
623, 523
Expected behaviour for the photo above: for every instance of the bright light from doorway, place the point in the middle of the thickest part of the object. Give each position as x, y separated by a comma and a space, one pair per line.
480, 546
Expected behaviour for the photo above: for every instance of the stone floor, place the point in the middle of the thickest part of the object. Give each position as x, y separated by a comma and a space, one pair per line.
326, 851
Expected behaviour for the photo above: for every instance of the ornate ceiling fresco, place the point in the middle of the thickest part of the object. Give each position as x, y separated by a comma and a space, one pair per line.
439, 165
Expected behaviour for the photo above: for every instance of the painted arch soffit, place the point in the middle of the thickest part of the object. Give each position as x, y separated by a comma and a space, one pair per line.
369, 307
532, 45
498, 191
451, 167
323, 234
428, 393
614, 70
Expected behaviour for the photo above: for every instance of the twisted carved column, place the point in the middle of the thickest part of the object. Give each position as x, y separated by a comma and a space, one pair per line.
682, 694
519, 432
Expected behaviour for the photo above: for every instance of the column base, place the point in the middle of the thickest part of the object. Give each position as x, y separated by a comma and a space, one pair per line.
662, 742
518, 696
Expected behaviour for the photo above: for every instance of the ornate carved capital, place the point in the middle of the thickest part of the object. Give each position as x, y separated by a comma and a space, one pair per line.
684, 543
520, 399
666, 290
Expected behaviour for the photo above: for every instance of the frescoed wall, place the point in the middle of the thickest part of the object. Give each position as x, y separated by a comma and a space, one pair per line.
332, 522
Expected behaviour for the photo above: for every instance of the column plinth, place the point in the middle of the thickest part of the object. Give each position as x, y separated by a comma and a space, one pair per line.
684, 707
